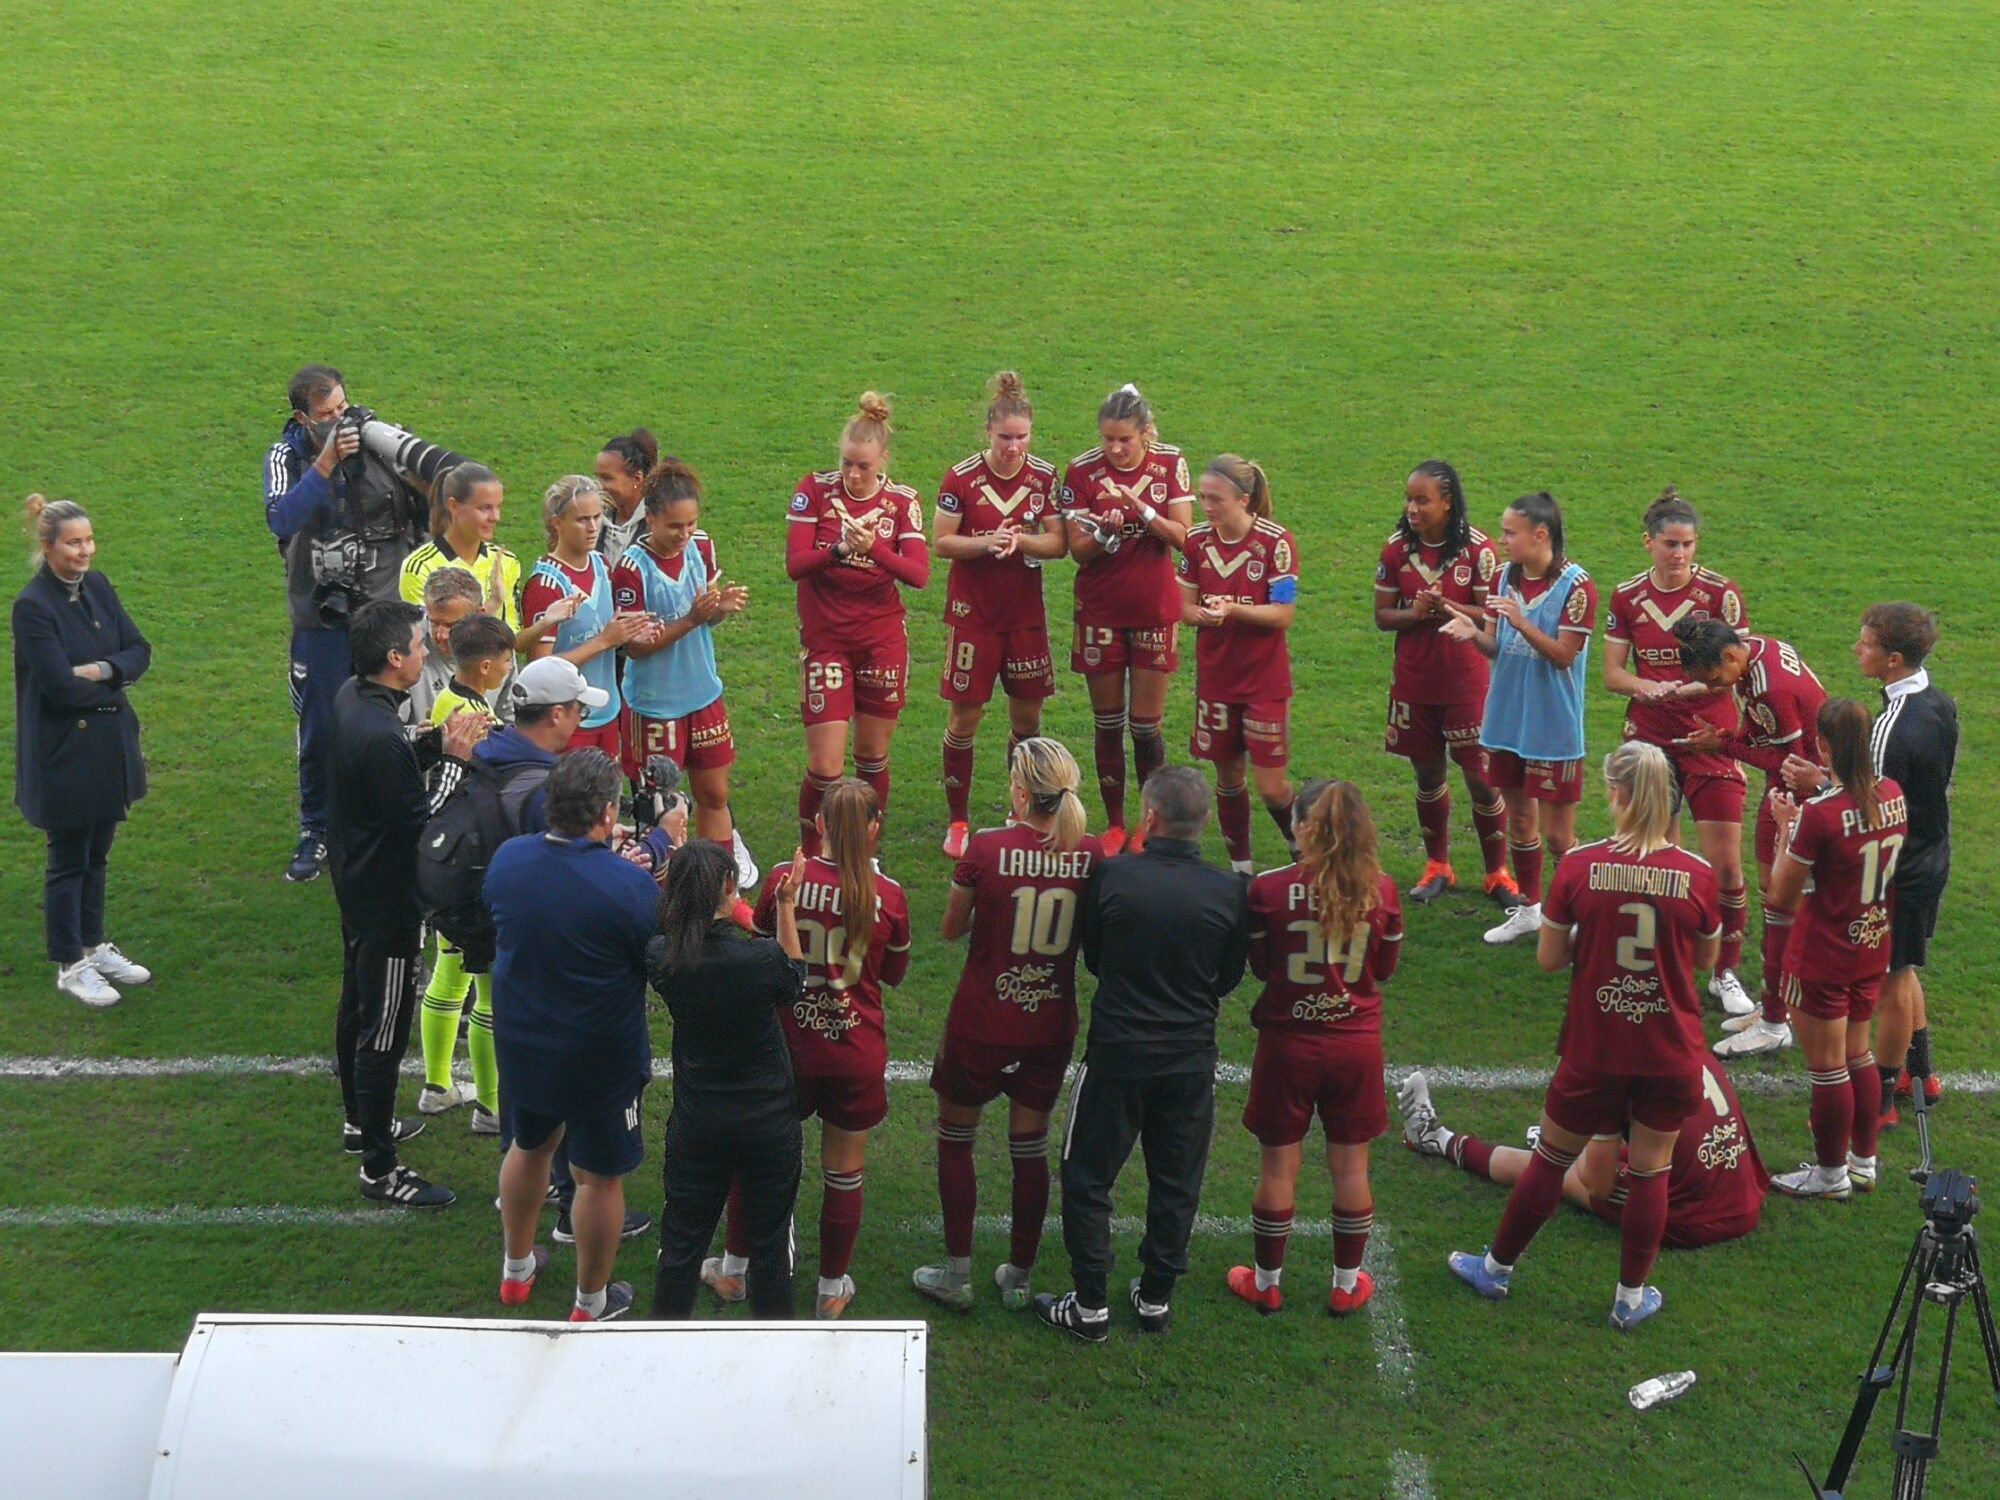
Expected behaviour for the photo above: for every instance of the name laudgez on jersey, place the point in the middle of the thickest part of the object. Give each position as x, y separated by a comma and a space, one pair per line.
1043, 864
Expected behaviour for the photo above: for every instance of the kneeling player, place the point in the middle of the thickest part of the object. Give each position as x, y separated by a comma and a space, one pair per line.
1325, 933
1640, 915
1013, 1019
1239, 575
1715, 1189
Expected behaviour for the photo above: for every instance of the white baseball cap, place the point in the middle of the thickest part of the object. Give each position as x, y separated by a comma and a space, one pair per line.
553, 680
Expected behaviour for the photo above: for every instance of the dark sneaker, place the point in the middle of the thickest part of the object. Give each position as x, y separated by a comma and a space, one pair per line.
1064, 1313
617, 1302
308, 860
636, 1224
408, 1128
399, 1187
1153, 1317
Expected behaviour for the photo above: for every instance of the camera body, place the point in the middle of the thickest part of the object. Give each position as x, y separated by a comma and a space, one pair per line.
354, 420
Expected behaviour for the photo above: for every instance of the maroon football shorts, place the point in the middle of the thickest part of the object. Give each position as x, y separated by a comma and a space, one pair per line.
1767, 834
974, 659
845, 1103
1586, 1102
866, 678
609, 738
1224, 731
700, 741
971, 1073
1295, 1076
1853, 1003
1107, 650
1554, 781
1427, 732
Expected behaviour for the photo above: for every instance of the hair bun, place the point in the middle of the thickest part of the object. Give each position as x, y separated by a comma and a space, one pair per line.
873, 406
1007, 386
648, 444
1129, 389
34, 505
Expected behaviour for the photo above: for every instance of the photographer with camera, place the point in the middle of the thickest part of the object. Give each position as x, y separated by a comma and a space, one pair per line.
345, 519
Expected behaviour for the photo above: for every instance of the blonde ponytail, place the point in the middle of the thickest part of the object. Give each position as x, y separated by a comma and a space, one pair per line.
1645, 778
1047, 772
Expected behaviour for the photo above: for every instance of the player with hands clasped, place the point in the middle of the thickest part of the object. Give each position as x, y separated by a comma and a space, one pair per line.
997, 523
1436, 557
1842, 843
1127, 505
571, 588
1535, 629
1013, 1020
670, 577
1325, 934
1642, 662
853, 536
1632, 918
1778, 700
1239, 578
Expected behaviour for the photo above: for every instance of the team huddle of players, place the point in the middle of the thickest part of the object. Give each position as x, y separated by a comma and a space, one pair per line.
1491, 653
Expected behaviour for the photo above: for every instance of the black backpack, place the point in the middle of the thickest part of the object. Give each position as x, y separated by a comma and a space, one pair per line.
459, 841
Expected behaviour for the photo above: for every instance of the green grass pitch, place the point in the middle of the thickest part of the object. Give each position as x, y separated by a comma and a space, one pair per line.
1747, 248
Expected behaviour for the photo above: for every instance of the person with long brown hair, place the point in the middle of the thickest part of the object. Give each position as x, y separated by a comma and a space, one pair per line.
1012, 1024
1844, 845
853, 535
997, 523
854, 932
1632, 917
1325, 933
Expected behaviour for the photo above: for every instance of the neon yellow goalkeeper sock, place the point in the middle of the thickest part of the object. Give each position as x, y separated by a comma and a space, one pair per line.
444, 997
479, 1044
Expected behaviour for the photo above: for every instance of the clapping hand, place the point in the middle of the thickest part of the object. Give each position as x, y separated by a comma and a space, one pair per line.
1801, 775
1506, 607
462, 731
1214, 610
858, 537
1459, 628
1784, 812
562, 611
1428, 605
496, 586
785, 883
1703, 738
1005, 542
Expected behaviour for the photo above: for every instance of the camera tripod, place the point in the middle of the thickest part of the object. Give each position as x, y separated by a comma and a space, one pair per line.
1943, 1268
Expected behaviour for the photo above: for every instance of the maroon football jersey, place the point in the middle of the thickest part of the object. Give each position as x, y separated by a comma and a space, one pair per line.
1239, 662
1311, 985
1132, 588
1841, 934
1644, 615
996, 593
854, 601
1431, 667
1778, 702
1018, 988
1717, 1177
836, 1027
1579, 613
628, 584
1633, 1008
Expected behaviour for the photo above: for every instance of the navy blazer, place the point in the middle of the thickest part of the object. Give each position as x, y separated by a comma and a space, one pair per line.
76, 742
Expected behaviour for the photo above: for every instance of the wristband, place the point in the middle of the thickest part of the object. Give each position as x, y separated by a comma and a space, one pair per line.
1147, 513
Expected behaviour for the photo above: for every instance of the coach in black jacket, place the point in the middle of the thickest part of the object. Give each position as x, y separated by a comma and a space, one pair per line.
379, 800
1167, 936
77, 769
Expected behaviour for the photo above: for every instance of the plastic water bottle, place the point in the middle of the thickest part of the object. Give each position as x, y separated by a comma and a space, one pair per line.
1660, 1390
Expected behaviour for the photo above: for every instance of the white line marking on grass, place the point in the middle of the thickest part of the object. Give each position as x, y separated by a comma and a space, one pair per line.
1216, 1226
1395, 1356
1446, 1075
1410, 1473
274, 1216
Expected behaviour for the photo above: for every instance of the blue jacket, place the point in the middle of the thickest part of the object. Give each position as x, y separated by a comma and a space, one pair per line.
76, 742
509, 747
572, 921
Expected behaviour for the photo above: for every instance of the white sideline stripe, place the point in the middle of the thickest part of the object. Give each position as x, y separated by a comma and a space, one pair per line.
183, 1217
1395, 1355
1446, 1075
1216, 1226
1411, 1475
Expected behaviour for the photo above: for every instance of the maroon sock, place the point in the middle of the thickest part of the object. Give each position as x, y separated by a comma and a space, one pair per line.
1110, 748
1527, 869
1533, 1202
876, 774
1434, 822
839, 1223
1473, 1154
1735, 922
958, 1186
1270, 1233
1281, 814
1641, 1226
1031, 1196
735, 1239
1232, 816
1832, 1115
1149, 748
957, 777
1350, 1235
1866, 1087
1491, 825
1777, 932
812, 792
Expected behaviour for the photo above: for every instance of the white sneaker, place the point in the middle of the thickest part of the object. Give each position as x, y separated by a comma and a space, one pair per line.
1726, 987
1522, 921
1243, 867
435, 1101
1861, 1173
81, 981
1422, 1131
1761, 1036
115, 966
1741, 1023
1814, 1181
747, 873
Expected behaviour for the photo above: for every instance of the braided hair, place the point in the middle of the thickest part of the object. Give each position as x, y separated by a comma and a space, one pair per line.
1457, 528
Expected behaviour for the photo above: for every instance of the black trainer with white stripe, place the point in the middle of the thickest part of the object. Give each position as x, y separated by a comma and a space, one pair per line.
402, 1188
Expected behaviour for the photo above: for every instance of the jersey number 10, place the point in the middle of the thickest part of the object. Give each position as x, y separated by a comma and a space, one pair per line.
1044, 921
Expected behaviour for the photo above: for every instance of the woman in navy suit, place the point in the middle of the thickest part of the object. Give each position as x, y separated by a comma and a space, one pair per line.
77, 769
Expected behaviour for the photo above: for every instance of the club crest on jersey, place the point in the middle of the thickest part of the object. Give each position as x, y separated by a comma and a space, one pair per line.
1092, 656
1255, 571
960, 682
1462, 576
816, 702
1159, 494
